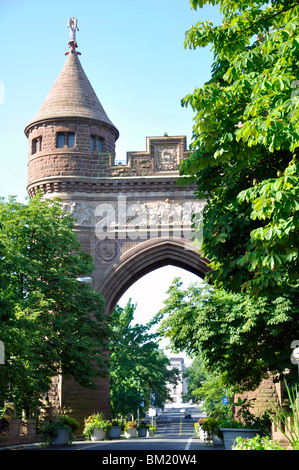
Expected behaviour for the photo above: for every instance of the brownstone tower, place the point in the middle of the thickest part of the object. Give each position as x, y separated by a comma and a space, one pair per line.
130, 218
71, 136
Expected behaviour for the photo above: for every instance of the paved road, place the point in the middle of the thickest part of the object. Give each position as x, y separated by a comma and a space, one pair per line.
174, 433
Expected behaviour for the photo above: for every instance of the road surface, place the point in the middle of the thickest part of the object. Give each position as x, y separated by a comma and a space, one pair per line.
174, 433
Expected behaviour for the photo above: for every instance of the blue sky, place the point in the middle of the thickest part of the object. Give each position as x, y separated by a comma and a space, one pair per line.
133, 54
149, 292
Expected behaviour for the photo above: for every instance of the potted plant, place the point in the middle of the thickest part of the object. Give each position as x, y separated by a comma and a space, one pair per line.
142, 429
96, 427
211, 426
59, 431
130, 429
115, 430
231, 429
245, 424
198, 430
151, 430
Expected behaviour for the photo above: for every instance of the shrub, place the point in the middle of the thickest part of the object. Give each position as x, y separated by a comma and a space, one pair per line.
256, 443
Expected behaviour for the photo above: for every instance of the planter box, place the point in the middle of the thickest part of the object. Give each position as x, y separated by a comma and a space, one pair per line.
115, 432
130, 433
98, 435
230, 434
217, 441
61, 437
142, 432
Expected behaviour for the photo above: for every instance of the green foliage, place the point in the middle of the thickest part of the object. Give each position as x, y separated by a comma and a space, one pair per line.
239, 338
137, 366
49, 323
288, 425
51, 427
207, 389
244, 153
130, 425
243, 161
212, 392
143, 425
95, 421
210, 425
195, 376
256, 443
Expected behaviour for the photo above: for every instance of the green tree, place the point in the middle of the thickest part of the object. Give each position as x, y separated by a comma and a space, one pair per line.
244, 153
239, 338
137, 366
211, 392
49, 323
195, 376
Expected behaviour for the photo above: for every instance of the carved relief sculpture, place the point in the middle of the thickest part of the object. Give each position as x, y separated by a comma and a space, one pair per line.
106, 250
166, 157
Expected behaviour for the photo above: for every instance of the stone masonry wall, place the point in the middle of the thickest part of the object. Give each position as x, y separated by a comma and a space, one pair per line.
268, 392
50, 161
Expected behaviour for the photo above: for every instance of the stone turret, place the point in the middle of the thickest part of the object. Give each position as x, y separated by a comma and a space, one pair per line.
71, 136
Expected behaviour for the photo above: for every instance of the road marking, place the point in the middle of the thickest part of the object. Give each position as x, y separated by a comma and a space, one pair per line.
89, 447
188, 443
181, 425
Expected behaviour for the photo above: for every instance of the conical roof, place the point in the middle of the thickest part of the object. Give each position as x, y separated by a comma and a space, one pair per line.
72, 96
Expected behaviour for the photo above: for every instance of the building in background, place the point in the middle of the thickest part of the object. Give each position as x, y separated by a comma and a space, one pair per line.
177, 391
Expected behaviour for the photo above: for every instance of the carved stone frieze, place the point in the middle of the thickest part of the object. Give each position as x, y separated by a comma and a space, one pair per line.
123, 212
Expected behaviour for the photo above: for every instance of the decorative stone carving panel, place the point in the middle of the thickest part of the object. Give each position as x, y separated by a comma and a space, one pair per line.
107, 250
166, 157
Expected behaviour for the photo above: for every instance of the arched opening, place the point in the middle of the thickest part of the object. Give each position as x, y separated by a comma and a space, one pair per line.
144, 274
146, 257
134, 317
149, 291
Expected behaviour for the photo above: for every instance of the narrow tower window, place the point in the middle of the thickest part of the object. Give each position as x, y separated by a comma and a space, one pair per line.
100, 144
60, 140
92, 142
71, 140
96, 143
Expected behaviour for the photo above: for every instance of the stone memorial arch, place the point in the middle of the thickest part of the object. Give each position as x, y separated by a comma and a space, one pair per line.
132, 218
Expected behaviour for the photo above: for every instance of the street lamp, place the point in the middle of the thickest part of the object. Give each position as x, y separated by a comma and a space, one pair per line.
84, 279
295, 357
296, 354
2, 353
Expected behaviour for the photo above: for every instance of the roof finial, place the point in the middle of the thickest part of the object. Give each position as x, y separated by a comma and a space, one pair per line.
73, 25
